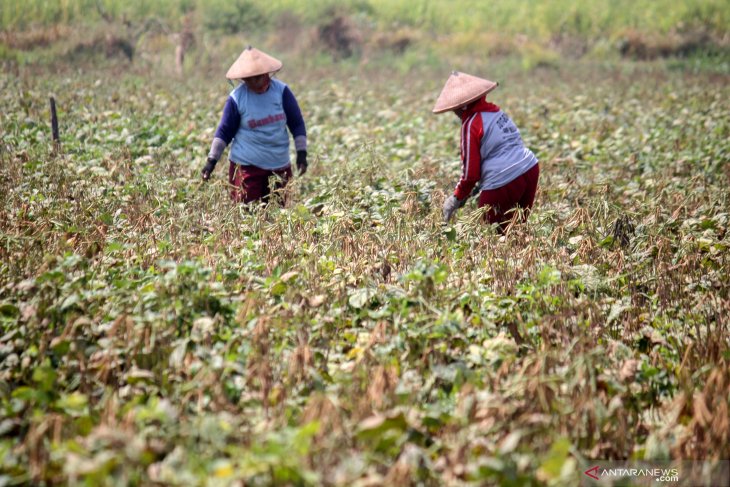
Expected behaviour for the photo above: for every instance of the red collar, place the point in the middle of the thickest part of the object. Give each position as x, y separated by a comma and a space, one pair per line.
481, 105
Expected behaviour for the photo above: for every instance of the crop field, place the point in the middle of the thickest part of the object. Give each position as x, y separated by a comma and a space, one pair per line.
155, 333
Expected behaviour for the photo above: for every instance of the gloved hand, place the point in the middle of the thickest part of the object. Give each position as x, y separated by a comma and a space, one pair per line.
450, 206
208, 168
302, 162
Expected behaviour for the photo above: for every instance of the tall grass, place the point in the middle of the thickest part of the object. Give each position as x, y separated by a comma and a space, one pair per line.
585, 17
590, 18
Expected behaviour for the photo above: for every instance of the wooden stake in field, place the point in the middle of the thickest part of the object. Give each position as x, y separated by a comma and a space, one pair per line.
185, 41
54, 127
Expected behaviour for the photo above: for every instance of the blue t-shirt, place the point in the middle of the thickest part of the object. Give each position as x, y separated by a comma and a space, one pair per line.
257, 125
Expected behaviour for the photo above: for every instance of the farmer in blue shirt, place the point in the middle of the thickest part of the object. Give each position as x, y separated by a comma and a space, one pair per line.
255, 118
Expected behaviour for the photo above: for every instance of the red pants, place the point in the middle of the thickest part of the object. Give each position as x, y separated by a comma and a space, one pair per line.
251, 183
517, 194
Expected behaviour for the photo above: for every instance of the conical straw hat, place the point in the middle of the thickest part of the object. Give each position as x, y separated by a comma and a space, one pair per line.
460, 89
253, 62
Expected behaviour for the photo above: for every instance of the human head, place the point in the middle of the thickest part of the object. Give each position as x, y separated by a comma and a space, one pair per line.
458, 111
259, 83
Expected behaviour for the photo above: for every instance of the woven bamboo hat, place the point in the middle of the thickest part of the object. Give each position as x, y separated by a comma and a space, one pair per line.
461, 89
253, 62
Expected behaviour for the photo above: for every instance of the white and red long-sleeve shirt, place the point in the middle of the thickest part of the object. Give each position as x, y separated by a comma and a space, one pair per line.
492, 151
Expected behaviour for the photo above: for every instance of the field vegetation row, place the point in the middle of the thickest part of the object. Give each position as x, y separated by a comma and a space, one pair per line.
153, 331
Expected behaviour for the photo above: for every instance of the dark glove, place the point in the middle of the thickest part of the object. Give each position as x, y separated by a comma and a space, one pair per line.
302, 161
451, 204
208, 169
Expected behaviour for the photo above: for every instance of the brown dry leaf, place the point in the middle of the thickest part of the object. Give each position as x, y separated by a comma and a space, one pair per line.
701, 413
628, 370
289, 276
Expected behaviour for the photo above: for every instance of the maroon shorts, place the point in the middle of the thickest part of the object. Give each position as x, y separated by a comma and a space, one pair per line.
517, 194
251, 183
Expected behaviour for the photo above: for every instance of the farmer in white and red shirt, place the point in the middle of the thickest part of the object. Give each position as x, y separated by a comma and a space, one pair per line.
255, 119
492, 153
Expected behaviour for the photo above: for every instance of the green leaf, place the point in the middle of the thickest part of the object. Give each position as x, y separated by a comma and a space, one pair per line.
450, 234
45, 377
73, 404
9, 310
607, 242
26, 393
278, 289
555, 459
374, 426
360, 297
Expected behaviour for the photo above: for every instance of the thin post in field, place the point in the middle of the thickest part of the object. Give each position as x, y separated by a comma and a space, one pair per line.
54, 127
